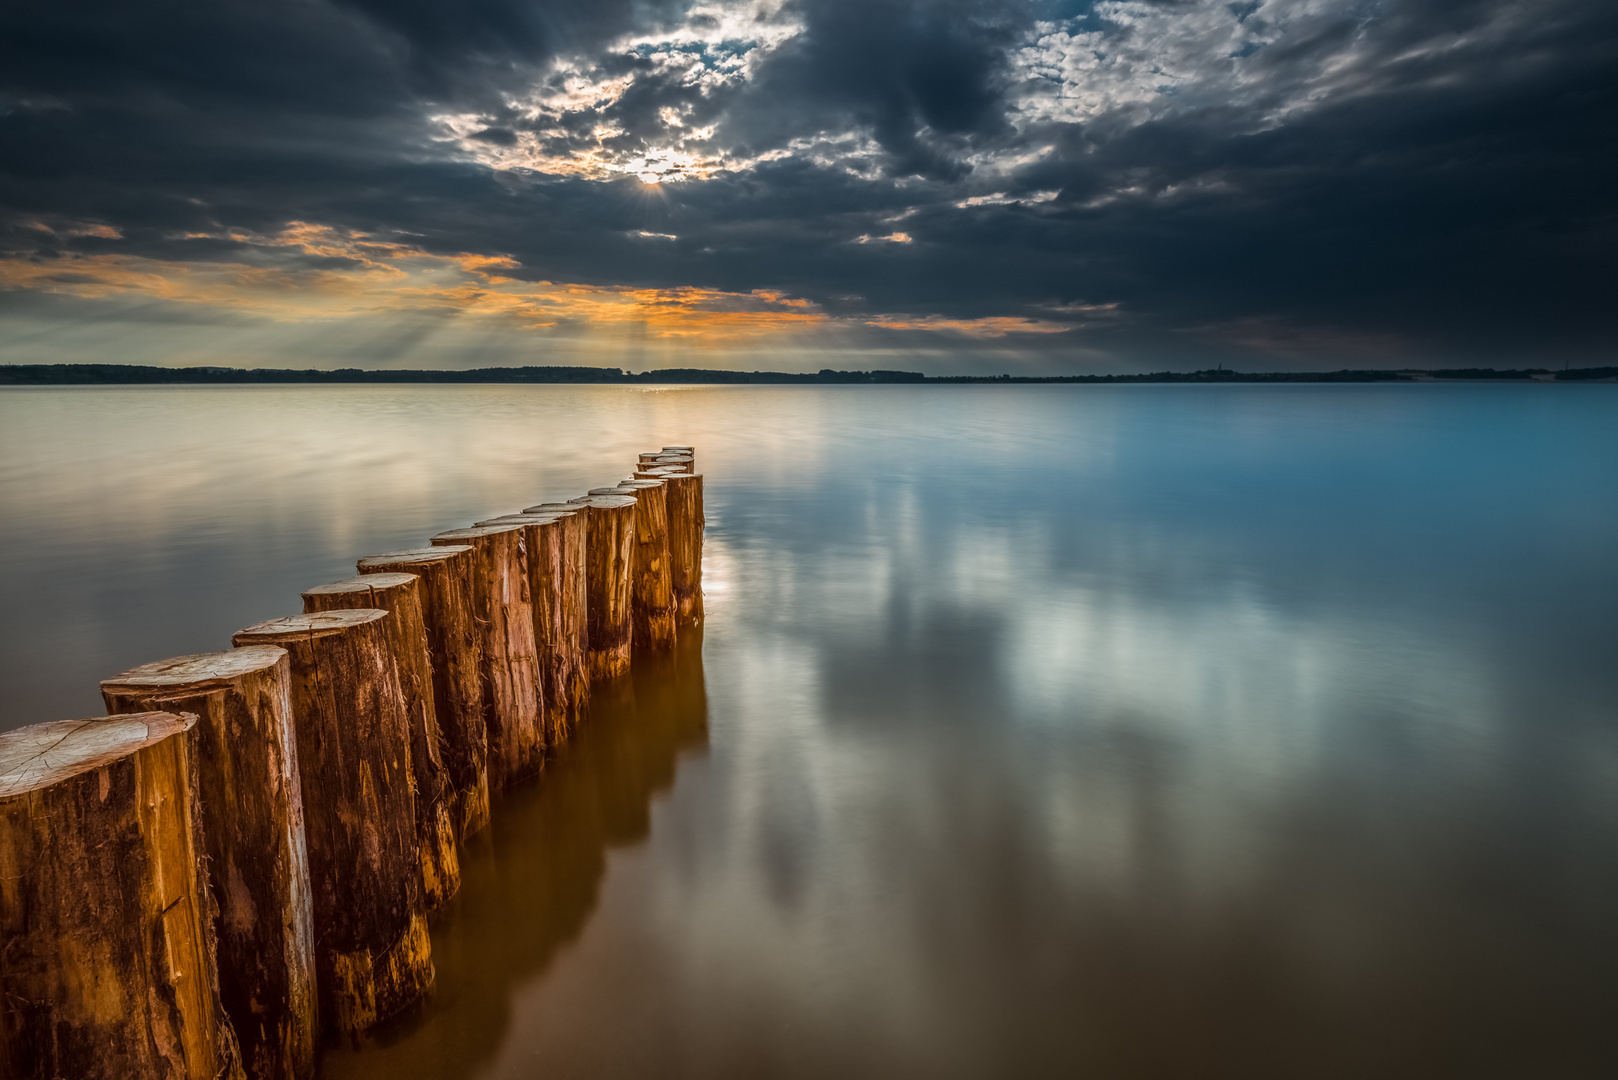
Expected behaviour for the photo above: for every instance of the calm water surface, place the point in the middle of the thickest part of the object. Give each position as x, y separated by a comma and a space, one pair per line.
1107, 731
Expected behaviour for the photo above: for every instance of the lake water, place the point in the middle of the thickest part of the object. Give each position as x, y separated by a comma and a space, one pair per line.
1145, 731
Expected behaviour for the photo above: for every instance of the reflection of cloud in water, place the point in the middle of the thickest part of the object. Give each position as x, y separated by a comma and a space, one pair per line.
958, 790
1129, 732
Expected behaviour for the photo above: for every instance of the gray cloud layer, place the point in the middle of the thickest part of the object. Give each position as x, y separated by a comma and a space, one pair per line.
1289, 182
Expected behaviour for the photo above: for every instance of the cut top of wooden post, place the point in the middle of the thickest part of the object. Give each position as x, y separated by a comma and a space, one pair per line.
365, 583
476, 532
559, 509
605, 502
36, 757
317, 624
521, 519
413, 556
679, 450
197, 674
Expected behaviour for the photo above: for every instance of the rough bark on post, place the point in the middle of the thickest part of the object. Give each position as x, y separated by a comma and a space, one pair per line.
502, 607
400, 594
559, 665
252, 816
109, 963
372, 954
685, 541
570, 604
609, 556
653, 607
456, 649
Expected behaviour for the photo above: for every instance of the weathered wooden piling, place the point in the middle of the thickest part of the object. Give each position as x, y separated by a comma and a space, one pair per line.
502, 606
683, 462
252, 816
372, 953
653, 607
686, 522
609, 559
108, 963
456, 650
567, 598
436, 834
688, 451
557, 604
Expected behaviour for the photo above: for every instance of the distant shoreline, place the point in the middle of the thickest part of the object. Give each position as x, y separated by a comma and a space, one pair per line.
138, 375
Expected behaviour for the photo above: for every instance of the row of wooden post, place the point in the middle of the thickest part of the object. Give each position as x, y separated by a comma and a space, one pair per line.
246, 852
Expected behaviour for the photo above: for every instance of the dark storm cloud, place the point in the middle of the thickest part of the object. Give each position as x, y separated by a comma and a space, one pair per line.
1373, 183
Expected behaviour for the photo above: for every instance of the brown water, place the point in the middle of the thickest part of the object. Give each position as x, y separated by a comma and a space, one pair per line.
1126, 732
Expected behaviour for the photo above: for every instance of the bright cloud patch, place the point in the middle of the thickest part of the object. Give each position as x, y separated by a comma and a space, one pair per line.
593, 117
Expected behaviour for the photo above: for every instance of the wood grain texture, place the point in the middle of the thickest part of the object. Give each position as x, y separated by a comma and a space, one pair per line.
353, 734
609, 556
686, 523
436, 834
503, 610
569, 623
252, 813
558, 613
109, 966
456, 648
653, 607
684, 462
686, 451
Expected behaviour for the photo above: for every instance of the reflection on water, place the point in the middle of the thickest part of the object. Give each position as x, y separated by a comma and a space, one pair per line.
1131, 732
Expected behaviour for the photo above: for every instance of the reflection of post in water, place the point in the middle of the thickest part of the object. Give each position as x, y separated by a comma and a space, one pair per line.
533, 887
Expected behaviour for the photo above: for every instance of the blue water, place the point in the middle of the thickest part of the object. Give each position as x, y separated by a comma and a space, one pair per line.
1142, 731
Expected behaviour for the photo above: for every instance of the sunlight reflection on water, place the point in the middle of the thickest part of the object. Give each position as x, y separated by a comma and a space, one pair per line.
1139, 731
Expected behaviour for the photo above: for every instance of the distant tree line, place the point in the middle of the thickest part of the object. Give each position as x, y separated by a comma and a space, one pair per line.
123, 374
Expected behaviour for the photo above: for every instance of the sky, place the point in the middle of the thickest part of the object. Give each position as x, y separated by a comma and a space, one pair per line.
952, 186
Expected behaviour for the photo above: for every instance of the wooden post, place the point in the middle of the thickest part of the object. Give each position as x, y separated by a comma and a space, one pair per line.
691, 451
552, 706
686, 523
652, 595
684, 462
557, 605
569, 622
457, 663
609, 557
400, 594
252, 816
503, 609
372, 954
108, 969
